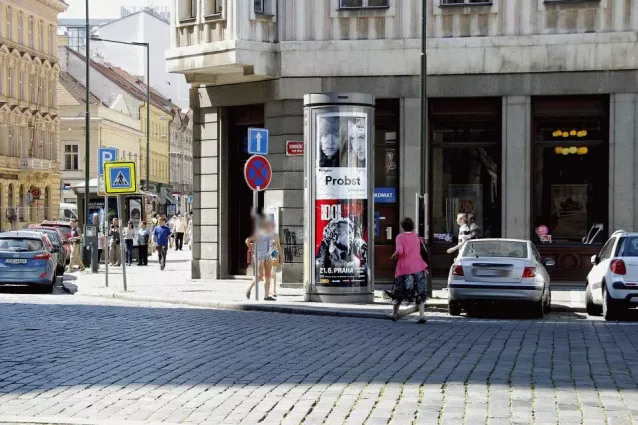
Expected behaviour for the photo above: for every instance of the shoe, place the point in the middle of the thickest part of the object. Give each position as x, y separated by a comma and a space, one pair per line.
422, 319
269, 299
248, 294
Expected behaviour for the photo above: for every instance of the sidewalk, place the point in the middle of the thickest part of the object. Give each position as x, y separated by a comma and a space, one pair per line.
174, 286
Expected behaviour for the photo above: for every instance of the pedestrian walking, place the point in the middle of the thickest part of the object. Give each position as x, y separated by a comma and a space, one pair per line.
264, 241
171, 225
410, 280
189, 232
75, 240
142, 245
180, 229
161, 235
115, 256
129, 234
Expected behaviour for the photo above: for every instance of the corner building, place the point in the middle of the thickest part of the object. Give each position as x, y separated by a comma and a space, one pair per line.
29, 121
531, 117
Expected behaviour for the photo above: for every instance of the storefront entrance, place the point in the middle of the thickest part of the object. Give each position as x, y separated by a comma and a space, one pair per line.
240, 198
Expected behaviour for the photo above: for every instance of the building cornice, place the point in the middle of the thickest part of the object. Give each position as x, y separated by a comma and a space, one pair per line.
58, 5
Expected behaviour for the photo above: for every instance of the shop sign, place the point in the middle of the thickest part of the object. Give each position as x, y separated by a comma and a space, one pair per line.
294, 148
9, 176
385, 195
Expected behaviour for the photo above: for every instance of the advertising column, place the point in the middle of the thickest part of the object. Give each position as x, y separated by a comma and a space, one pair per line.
339, 137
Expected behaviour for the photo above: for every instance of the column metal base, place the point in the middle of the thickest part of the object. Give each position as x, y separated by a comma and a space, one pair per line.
362, 298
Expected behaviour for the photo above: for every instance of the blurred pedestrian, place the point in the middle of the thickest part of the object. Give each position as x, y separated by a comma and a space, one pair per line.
410, 281
115, 256
161, 235
180, 229
171, 225
189, 233
75, 240
142, 245
129, 234
263, 241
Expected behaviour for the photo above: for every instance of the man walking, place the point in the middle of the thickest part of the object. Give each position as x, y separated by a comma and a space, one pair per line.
75, 248
180, 229
161, 235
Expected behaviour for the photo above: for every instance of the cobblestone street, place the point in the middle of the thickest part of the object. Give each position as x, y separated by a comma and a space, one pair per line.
73, 359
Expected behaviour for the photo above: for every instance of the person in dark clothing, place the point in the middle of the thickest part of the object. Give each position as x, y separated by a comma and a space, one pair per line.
161, 234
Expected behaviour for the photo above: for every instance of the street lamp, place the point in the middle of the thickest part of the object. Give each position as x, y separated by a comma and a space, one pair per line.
148, 97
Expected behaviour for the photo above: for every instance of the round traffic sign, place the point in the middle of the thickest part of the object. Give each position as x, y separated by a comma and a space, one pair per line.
257, 172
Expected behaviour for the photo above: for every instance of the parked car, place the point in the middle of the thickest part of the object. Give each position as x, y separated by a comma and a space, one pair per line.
65, 226
489, 270
612, 283
25, 258
65, 240
58, 240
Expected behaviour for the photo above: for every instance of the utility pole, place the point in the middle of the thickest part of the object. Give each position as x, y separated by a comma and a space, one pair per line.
87, 125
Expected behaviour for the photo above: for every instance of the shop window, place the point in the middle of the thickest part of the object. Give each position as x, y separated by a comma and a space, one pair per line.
571, 169
465, 167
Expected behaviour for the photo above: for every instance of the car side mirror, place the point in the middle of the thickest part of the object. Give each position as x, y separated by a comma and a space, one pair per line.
595, 259
549, 262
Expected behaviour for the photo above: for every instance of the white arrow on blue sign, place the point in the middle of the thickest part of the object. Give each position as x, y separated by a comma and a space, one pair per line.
258, 141
105, 155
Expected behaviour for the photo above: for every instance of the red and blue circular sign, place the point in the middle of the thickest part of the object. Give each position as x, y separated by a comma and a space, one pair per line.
257, 172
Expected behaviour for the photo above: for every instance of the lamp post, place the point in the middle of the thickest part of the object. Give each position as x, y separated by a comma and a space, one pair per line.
425, 147
148, 98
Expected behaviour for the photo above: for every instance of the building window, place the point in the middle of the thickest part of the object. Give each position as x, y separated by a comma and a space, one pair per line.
11, 82
213, 7
360, 4
52, 93
465, 2
571, 167
2, 79
41, 37
11, 151
466, 157
187, 10
32, 89
31, 34
23, 83
20, 28
10, 23
52, 147
43, 96
71, 157
51, 35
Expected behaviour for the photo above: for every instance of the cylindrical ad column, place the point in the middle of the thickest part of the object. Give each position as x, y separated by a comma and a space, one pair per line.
339, 195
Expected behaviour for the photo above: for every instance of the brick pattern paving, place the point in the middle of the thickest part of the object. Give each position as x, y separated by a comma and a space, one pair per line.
71, 358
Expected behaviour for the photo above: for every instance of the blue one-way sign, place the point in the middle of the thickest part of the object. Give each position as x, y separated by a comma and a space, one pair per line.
258, 141
105, 155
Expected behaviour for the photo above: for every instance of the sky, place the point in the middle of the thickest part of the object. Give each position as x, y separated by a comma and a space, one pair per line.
106, 8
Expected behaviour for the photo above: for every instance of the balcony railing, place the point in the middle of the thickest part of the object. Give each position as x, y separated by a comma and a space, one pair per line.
36, 164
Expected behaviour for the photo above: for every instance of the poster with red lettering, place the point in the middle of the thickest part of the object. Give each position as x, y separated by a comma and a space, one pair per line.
341, 200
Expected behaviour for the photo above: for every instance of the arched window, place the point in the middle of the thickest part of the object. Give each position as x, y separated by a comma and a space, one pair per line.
10, 200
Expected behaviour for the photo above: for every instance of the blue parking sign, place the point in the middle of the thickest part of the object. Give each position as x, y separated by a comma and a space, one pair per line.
105, 155
258, 141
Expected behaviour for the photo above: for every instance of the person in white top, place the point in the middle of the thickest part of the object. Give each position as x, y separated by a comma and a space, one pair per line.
180, 229
464, 232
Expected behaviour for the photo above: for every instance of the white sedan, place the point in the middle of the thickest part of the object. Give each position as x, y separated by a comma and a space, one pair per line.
489, 270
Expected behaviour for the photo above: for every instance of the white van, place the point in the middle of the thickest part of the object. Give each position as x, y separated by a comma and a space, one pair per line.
68, 212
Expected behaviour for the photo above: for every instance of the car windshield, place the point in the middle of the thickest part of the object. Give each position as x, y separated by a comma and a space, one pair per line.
20, 245
53, 235
628, 247
508, 249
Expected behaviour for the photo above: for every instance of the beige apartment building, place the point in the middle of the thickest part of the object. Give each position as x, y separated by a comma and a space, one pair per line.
29, 123
531, 117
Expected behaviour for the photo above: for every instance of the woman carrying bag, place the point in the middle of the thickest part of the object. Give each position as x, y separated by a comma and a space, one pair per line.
410, 281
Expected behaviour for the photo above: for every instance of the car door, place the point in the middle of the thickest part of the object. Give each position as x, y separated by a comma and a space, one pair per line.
597, 273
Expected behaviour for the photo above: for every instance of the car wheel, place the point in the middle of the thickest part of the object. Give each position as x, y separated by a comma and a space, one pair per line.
453, 308
610, 309
592, 309
539, 309
548, 304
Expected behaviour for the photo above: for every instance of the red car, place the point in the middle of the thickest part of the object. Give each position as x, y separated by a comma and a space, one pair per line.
65, 226
63, 237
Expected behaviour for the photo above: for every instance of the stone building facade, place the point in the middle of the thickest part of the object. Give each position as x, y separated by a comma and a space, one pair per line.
531, 116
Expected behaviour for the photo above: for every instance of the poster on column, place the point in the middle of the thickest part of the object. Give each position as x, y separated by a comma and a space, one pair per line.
341, 199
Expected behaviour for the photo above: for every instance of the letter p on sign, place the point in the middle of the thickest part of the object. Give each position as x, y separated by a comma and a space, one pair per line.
105, 155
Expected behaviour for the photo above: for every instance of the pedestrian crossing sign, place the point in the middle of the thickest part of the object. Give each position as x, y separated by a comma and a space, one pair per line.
120, 177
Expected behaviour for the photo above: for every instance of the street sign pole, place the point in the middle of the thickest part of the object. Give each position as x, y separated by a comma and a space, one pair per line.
120, 201
255, 258
106, 240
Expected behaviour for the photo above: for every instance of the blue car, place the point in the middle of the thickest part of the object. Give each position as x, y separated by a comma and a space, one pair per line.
26, 259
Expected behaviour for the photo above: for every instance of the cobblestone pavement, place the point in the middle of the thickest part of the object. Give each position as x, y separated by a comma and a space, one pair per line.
69, 359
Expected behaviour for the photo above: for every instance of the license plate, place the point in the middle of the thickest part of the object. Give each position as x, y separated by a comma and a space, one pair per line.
15, 261
490, 272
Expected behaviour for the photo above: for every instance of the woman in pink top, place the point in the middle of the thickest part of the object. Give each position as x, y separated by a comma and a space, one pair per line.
410, 280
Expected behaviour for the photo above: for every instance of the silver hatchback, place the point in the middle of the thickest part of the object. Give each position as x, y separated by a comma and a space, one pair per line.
499, 270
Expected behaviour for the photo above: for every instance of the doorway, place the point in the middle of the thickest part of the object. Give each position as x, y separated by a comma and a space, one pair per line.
240, 197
